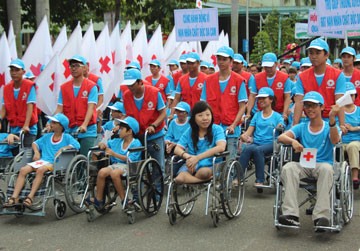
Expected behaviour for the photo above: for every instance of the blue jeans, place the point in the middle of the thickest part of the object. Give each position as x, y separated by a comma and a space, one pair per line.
156, 148
257, 153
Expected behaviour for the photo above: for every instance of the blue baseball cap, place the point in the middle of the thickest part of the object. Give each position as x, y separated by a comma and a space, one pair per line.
155, 62
60, 118
238, 58
287, 61
211, 66
118, 106
131, 76
296, 65
305, 62
319, 44
348, 50
350, 88
357, 58
225, 51
328, 61
29, 75
338, 61
183, 57
17, 63
268, 60
204, 64
79, 59
193, 57
314, 97
173, 62
265, 92
133, 65
131, 122
183, 106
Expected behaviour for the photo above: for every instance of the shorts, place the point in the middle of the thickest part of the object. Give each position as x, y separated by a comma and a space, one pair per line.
184, 168
120, 166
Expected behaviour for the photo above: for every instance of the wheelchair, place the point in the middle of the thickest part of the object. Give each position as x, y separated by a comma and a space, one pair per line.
144, 180
221, 196
56, 184
341, 194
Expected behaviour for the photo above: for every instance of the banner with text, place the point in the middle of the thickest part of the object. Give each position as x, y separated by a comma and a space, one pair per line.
315, 30
196, 24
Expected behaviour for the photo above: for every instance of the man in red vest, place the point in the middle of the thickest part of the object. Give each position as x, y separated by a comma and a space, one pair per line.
144, 103
278, 81
184, 70
326, 80
351, 73
19, 103
226, 94
158, 80
77, 100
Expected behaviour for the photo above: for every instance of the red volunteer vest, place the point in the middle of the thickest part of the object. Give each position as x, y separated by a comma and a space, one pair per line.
176, 76
75, 108
148, 113
94, 78
326, 89
246, 76
161, 84
16, 108
225, 105
277, 86
189, 94
355, 79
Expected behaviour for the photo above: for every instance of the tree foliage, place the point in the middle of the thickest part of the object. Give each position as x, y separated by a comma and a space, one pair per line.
262, 45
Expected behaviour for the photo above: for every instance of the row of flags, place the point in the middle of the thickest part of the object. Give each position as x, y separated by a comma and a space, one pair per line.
107, 56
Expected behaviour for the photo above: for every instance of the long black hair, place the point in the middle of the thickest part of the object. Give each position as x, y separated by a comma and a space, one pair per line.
200, 107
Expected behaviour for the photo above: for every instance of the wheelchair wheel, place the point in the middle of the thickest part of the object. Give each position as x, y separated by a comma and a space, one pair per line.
184, 197
150, 187
41, 195
60, 209
76, 182
232, 198
346, 193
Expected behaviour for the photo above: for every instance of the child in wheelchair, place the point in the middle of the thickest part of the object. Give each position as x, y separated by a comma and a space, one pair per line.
319, 134
198, 144
45, 149
117, 149
117, 112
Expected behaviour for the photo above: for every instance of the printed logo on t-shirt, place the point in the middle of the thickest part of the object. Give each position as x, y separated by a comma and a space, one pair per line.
161, 86
232, 90
330, 83
84, 93
24, 96
150, 105
200, 86
279, 85
357, 84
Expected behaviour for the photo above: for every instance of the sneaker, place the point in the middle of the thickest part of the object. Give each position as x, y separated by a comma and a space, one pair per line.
356, 184
289, 220
321, 222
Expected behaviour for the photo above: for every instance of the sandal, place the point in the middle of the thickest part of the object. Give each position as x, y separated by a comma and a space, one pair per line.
28, 201
12, 201
98, 204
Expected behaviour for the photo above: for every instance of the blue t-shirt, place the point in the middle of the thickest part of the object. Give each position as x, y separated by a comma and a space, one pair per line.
99, 85
178, 87
48, 148
352, 119
5, 149
203, 145
109, 125
263, 132
175, 130
319, 140
117, 145
171, 83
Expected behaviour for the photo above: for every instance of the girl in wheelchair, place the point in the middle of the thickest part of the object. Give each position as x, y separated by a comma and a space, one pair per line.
117, 149
198, 144
45, 149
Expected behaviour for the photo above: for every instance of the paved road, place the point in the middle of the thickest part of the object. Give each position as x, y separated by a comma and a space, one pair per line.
253, 230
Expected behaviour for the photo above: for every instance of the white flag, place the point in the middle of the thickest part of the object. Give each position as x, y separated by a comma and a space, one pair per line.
4, 64
140, 49
117, 57
60, 41
89, 50
199, 4
126, 45
12, 41
156, 49
210, 51
170, 45
308, 157
39, 51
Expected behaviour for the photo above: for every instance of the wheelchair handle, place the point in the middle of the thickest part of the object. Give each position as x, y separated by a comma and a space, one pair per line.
137, 149
222, 154
93, 148
70, 150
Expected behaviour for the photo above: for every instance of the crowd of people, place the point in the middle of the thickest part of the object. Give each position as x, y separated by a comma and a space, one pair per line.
196, 112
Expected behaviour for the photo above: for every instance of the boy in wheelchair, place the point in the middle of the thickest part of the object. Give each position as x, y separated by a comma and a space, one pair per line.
319, 134
117, 149
45, 149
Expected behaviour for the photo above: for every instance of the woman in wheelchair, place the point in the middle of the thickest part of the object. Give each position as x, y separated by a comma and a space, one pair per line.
198, 144
261, 129
117, 149
319, 134
45, 149
351, 137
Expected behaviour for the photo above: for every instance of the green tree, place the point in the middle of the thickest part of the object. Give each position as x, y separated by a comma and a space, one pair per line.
262, 44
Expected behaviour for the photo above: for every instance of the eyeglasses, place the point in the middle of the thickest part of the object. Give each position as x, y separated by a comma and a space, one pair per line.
75, 66
310, 105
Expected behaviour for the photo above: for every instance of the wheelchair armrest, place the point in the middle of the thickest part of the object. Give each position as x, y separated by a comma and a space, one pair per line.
137, 149
94, 148
222, 154
70, 150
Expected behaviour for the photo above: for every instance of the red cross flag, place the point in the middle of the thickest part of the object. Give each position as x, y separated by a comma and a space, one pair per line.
170, 45
199, 4
156, 49
12, 41
4, 64
39, 51
126, 45
308, 157
209, 52
140, 49
89, 50
195, 46
118, 58
38, 163
60, 41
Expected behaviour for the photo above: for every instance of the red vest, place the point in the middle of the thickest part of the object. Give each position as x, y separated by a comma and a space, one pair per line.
246, 76
277, 86
225, 105
189, 94
176, 76
94, 78
326, 89
148, 113
16, 108
355, 79
161, 84
75, 108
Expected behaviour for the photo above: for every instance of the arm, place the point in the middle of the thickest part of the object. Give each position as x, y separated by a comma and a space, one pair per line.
341, 114
334, 134
158, 121
36, 152
238, 117
88, 116
298, 109
29, 111
249, 132
250, 105
3, 111
287, 101
288, 139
